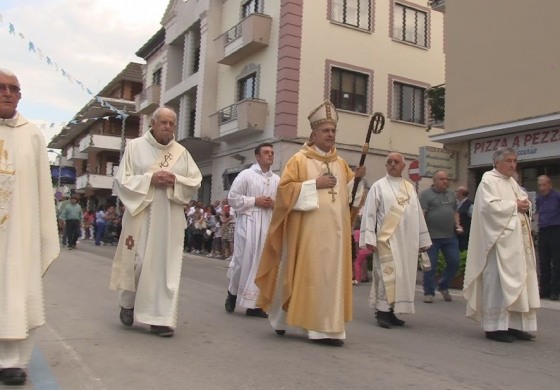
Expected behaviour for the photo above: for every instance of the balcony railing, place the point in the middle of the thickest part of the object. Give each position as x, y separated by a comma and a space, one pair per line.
73, 153
148, 100
247, 117
437, 5
247, 37
95, 182
98, 142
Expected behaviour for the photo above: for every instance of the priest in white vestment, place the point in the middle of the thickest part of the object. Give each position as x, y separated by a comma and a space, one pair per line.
252, 196
393, 227
305, 275
156, 178
501, 285
28, 231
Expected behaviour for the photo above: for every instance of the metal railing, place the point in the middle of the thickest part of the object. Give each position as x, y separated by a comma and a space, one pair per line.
227, 114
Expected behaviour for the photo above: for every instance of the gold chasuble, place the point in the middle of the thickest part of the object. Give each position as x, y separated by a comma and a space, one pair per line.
316, 244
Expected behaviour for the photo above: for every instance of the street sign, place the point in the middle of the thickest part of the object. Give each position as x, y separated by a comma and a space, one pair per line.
414, 171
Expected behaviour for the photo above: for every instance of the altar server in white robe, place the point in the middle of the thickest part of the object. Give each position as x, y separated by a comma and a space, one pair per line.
156, 178
393, 227
252, 197
28, 231
501, 285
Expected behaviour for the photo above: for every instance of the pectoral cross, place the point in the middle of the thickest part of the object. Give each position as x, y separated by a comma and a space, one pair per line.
332, 192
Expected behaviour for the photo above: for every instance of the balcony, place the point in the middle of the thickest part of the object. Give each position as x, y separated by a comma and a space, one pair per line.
97, 143
95, 182
247, 37
247, 117
437, 5
148, 100
73, 153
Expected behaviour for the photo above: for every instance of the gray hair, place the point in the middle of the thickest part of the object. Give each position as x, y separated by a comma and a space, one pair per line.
397, 153
158, 111
7, 72
501, 153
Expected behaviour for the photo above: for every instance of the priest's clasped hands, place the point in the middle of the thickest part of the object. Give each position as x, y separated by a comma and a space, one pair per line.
264, 202
163, 179
523, 205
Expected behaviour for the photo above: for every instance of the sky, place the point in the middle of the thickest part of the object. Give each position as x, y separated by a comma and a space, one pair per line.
91, 40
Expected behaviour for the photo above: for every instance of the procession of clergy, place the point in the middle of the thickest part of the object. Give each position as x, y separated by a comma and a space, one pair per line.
299, 274
292, 260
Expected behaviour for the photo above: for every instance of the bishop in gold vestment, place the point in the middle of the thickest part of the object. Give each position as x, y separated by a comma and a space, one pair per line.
305, 275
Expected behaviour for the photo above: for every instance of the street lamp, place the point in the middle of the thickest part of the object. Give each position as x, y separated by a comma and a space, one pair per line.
59, 158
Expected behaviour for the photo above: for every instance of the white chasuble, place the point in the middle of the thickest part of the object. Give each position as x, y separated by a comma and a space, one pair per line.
501, 285
28, 230
153, 227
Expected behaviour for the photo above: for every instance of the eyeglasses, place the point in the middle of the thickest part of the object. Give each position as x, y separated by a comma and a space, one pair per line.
9, 88
391, 162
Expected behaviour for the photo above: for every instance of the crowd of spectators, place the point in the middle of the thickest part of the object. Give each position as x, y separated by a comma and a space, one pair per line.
210, 229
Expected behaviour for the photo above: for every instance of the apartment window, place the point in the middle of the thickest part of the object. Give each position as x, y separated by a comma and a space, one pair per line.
349, 90
409, 103
356, 13
247, 87
156, 77
196, 59
250, 7
410, 25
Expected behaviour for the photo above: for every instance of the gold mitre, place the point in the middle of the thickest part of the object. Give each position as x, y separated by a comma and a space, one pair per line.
325, 113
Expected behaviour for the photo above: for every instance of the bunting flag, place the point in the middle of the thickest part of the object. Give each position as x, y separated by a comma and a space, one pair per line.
45, 126
32, 48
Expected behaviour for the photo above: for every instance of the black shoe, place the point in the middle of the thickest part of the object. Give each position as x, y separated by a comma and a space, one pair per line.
330, 342
553, 297
383, 319
230, 302
258, 312
394, 320
280, 332
500, 335
162, 331
127, 316
12, 376
521, 335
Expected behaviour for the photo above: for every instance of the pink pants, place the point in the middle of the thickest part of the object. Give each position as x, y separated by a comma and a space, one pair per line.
360, 264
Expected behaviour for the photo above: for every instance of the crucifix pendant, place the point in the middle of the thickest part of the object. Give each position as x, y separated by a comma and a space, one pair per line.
333, 193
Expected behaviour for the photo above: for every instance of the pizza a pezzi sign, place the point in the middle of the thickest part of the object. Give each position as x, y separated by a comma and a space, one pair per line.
530, 145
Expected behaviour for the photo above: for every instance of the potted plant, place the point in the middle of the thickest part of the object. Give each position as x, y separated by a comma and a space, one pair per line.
457, 281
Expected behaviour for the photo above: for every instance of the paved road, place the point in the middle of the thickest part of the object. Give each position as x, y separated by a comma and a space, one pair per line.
84, 346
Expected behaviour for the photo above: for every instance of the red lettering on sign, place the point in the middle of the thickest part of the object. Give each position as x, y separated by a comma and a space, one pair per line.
554, 136
515, 142
527, 139
545, 137
477, 147
536, 138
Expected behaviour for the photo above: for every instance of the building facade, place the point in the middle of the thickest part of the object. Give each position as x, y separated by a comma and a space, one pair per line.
94, 139
501, 86
242, 72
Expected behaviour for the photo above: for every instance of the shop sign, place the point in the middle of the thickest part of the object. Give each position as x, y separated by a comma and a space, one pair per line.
436, 159
530, 145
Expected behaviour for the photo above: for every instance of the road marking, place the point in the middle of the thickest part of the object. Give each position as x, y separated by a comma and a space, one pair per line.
93, 382
40, 373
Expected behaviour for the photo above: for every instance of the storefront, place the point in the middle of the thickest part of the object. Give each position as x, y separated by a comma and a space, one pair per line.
536, 140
